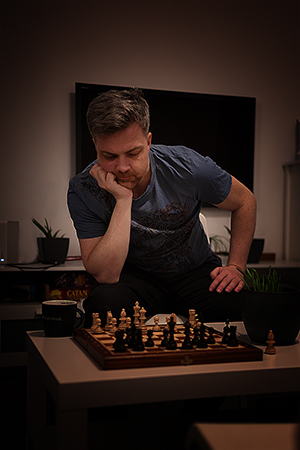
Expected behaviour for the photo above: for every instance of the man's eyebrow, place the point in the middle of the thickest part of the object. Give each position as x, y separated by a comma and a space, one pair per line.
128, 151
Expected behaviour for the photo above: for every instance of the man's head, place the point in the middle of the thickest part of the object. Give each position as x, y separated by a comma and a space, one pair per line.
115, 110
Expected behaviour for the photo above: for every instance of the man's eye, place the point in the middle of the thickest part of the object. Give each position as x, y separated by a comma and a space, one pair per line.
109, 156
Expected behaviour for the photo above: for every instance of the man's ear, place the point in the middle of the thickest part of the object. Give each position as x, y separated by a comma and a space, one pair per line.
149, 139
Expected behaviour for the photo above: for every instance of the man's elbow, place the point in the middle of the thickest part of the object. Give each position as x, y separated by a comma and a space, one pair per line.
107, 278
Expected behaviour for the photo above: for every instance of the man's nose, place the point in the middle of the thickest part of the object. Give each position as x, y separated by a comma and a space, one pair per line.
122, 164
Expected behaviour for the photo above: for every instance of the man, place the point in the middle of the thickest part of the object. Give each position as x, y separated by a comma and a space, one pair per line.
136, 213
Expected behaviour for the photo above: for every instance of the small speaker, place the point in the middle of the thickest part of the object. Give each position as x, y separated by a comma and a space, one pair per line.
9, 241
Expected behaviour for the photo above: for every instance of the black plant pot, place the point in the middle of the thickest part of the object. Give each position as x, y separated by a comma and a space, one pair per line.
53, 250
265, 311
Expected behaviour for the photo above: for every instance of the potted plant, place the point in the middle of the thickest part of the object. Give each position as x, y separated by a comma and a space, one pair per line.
52, 249
267, 305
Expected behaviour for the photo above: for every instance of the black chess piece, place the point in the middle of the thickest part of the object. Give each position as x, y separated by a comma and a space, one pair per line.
187, 343
138, 345
171, 344
165, 339
232, 340
131, 336
226, 332
149, 342
202, 341
119, 344
127, 337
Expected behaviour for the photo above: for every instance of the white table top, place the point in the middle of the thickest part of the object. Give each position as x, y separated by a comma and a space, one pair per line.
78, 381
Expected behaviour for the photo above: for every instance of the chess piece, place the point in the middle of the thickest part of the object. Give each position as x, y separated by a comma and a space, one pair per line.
232, 339
143, 320
136, 314
119, 345
113, 326
149, 342
98, 329
202, 341
156, 327
226, 329
122, 325
138, 345
164, 340
94, 324
192, 317
270, 349
131, 335
171, 344
196, 337
175, 321
108, 321
187, 343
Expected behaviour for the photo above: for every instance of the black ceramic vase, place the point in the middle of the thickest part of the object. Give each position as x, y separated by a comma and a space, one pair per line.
265, 311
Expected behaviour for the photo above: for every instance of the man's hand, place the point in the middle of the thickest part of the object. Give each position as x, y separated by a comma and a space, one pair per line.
107, 181
226, 279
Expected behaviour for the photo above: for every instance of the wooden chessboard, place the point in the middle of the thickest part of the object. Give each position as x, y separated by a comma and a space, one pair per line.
100, 348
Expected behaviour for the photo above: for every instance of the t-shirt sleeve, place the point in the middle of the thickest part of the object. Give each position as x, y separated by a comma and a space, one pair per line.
87, 224
213, 184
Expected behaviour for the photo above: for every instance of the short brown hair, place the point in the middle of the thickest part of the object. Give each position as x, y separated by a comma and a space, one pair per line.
115, 110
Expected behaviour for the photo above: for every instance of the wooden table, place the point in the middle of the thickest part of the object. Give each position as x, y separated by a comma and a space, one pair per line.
76, 383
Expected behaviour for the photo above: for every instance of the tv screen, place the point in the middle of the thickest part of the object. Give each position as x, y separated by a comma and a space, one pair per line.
219, 126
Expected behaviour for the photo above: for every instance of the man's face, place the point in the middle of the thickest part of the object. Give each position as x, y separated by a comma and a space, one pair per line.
126, 155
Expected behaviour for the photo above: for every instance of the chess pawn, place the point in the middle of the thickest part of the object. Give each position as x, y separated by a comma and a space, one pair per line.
98, 329
270, 349
113, 325
156, 327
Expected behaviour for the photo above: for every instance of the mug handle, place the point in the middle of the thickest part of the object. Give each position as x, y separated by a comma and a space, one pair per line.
80, 319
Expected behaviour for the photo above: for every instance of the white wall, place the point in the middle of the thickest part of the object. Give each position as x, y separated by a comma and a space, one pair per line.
233, 47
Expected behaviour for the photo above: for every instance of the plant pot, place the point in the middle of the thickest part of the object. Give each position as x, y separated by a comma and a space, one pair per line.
265, 311
53, 250
256, 250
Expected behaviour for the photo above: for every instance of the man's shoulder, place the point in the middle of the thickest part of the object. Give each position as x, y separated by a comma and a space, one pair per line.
175, 151
83, 177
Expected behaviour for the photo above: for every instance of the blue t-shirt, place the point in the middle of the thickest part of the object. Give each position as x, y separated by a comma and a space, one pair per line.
167, 237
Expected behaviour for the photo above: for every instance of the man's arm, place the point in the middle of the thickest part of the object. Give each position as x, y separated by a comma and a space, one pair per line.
241, 202
104, 256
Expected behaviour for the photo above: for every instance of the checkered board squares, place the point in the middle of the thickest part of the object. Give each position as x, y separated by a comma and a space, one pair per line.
100, 348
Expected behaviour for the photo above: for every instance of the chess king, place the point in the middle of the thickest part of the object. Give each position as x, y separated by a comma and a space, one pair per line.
136, 213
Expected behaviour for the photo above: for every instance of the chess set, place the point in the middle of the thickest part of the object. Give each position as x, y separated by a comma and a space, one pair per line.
136, 345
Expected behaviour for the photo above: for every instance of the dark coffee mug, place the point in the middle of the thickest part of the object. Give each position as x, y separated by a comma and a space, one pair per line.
60, 317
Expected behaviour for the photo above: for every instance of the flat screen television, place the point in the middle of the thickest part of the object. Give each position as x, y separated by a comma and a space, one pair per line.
219, 126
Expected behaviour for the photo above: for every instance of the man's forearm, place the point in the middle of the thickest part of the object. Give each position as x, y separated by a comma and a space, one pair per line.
242, 231
106, 259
